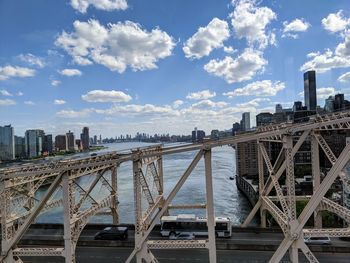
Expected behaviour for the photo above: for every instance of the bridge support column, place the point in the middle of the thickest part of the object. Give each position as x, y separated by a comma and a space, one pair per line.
261, 185
262, 217
68, 206
210, 206
114, 193
315, 158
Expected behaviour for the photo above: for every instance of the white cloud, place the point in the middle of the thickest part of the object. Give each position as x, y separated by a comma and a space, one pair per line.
11, 72
55, 83
242, 68
7, 102
206, 39
335, 22
59, 102
32, 60
345, 77
5, 93
322, 93
230, 50
70, 72
139, 110
106, 96
250, 22
325, 61
116, 46
343, 49
29, 102
107, 5
253, 103
177, 103
258, 88
296, 26
19, 93
74, 114
205, 104
201, 95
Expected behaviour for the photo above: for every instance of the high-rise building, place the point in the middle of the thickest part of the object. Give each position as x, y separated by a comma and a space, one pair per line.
339, 102
264, 118
235, 128
197, 135
70, 141
48, 144
279, 108
298, 106
60, 143
329, 104
310, 90
95, 139
20, 150
85, 138
245, 122
34, 142
79, 144
7, 143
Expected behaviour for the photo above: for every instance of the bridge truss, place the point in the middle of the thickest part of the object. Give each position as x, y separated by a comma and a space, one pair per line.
75, 186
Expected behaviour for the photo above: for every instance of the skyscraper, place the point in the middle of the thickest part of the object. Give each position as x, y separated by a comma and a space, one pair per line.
85, 138
329, 104
34, 142
279, 108
60, 143
20, 151
70, 141
310, 90
245, 122
7, 143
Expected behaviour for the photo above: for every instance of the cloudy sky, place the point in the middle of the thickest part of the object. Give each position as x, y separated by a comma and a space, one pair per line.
122, 66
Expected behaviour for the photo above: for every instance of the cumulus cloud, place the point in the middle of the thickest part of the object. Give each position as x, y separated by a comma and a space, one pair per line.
296, 26
55, 83
177, 103
32, 60
250, 22
5, 93
335, 22
107, 5
14, 71
204, 104
139, 110
201, 95
322, 93
116, 46
343, 49
258, 88
344, 77
206, 39
242, 68
106, 96
326, 61
74, 114
29, 102
70, 72
19, 93
230, 50
253, 103
7, 102
59, 102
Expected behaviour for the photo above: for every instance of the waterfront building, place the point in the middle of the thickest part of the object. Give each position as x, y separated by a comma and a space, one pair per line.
197, 135
247, 159
236, 127
20, 151
95, 139
60, 143
298, 106
310, 98
214, 134
329, 104
85, 139
34, 143
279, 108
78, 144
70, 141
7, 143
245, 122
48, 144
264, 118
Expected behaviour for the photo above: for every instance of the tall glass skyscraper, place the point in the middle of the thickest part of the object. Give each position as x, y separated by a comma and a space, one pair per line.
310, 90
7, 143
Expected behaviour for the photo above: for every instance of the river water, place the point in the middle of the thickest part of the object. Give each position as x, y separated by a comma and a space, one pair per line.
228, 200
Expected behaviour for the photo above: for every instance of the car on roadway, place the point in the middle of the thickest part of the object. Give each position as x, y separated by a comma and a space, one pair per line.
182, 236
324, 240
112, 233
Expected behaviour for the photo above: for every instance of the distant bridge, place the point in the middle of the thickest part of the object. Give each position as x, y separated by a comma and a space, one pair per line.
20, 207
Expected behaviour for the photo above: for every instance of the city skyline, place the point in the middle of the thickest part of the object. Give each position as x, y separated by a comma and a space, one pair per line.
205, 71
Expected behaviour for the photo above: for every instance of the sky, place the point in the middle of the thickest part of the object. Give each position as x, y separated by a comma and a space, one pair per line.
127, 66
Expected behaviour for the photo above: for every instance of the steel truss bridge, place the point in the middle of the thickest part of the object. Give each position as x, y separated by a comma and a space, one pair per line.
20, 205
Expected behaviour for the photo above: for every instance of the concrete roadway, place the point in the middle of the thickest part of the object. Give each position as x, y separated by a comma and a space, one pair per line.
115, 255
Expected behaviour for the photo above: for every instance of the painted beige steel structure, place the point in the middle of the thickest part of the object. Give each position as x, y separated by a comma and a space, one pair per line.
20, 205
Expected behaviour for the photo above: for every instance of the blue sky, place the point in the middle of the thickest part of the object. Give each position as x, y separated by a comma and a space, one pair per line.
122, 66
